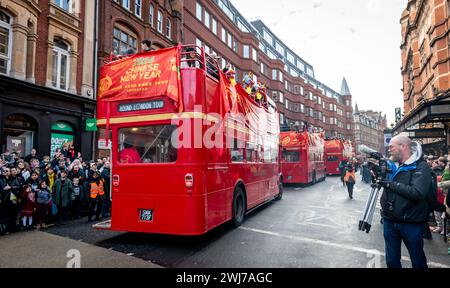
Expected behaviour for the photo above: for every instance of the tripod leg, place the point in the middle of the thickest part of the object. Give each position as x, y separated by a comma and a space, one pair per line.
374, 205
363, 222
367, 204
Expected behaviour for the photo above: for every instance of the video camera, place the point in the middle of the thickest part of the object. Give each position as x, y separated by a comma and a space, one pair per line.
377, 163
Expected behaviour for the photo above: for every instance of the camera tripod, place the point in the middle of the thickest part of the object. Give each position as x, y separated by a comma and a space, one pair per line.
369, 210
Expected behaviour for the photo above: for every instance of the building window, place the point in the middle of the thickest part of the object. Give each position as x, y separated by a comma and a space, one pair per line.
214, 26
64, 4
198, 12
5, 43
224, 35
61, 65
254, 55
151, 15
246, 49
160, 20
123, 41
126, 4
169, 29
138, 8
279, 48
230, 41
207, 19
274, 74
198, 43
267, 37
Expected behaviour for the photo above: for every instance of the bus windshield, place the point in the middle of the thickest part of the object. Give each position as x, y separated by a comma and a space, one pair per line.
149, 144
291, 156
333, 158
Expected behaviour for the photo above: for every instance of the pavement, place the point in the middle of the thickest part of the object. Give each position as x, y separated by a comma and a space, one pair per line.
38, 249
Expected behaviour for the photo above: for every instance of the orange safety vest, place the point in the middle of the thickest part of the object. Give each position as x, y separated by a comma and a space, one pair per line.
97, 189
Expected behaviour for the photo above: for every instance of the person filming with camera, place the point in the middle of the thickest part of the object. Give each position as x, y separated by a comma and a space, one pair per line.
404, 206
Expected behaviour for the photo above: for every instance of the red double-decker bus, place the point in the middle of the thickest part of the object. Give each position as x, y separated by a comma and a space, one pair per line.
190, 150
302, 158
336, 150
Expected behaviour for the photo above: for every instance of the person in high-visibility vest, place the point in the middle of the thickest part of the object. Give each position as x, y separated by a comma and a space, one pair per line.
96, 195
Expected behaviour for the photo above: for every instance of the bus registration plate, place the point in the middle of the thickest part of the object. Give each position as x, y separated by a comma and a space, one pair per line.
146, 215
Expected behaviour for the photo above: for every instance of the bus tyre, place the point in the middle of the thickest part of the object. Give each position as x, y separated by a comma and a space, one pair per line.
280, 190
239, 207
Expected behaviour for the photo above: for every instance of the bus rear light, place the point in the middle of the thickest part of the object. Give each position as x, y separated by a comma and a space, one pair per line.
116, 180
189, 180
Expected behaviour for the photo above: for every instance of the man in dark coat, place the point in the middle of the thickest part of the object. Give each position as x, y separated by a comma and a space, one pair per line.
63, 195
404, 202
5, 203
106, 176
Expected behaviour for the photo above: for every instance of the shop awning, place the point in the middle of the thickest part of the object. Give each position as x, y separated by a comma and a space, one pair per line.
436, 111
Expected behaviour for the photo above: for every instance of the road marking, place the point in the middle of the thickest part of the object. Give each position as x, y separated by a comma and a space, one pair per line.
332, 188
335, 245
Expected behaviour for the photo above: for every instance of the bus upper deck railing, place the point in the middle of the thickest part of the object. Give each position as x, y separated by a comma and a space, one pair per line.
193, 56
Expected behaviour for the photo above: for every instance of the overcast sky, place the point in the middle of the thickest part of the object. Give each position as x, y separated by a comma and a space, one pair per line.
358, 39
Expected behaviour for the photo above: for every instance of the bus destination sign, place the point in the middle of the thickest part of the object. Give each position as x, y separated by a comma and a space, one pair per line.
141, 106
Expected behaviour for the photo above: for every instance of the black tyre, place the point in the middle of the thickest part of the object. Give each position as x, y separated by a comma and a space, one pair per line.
280, 190
239, 207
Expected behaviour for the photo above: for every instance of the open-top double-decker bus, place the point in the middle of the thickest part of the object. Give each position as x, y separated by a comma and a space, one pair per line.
190, 149
302, 157
336, 150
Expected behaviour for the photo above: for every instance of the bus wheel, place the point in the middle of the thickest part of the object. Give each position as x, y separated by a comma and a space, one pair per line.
239, 207
280, 190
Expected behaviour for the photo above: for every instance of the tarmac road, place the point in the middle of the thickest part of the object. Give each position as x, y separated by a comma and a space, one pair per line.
312, 227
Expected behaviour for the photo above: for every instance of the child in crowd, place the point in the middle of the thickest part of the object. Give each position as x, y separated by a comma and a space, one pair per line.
44, 200
34, 181
28, 208
77, 198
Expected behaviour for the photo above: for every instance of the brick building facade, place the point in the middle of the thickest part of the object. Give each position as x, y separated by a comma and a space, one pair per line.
291, 82
46, 75
369, 130
426, 72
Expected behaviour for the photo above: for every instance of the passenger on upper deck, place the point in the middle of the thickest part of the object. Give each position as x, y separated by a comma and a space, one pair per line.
248, 82
146, 46
230, 73
190, 57
212, 65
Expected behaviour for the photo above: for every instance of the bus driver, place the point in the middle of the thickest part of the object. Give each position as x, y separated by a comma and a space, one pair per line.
129, 155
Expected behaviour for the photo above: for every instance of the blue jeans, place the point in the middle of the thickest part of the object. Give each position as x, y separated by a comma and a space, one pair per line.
412, 236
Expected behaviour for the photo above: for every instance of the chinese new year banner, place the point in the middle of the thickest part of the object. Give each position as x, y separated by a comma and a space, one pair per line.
142, 76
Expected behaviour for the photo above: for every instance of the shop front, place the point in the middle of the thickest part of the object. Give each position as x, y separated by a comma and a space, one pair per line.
33, 116
429, 124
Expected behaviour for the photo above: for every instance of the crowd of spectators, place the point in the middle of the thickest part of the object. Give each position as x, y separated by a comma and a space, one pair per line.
35, 192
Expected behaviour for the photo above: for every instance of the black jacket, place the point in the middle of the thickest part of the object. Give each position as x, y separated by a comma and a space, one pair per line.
406, 200
432, 200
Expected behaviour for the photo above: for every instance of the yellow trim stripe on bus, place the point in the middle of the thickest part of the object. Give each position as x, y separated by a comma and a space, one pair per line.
172, 116
158, 117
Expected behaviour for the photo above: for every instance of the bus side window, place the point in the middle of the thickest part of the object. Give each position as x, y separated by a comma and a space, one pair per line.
237, 153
